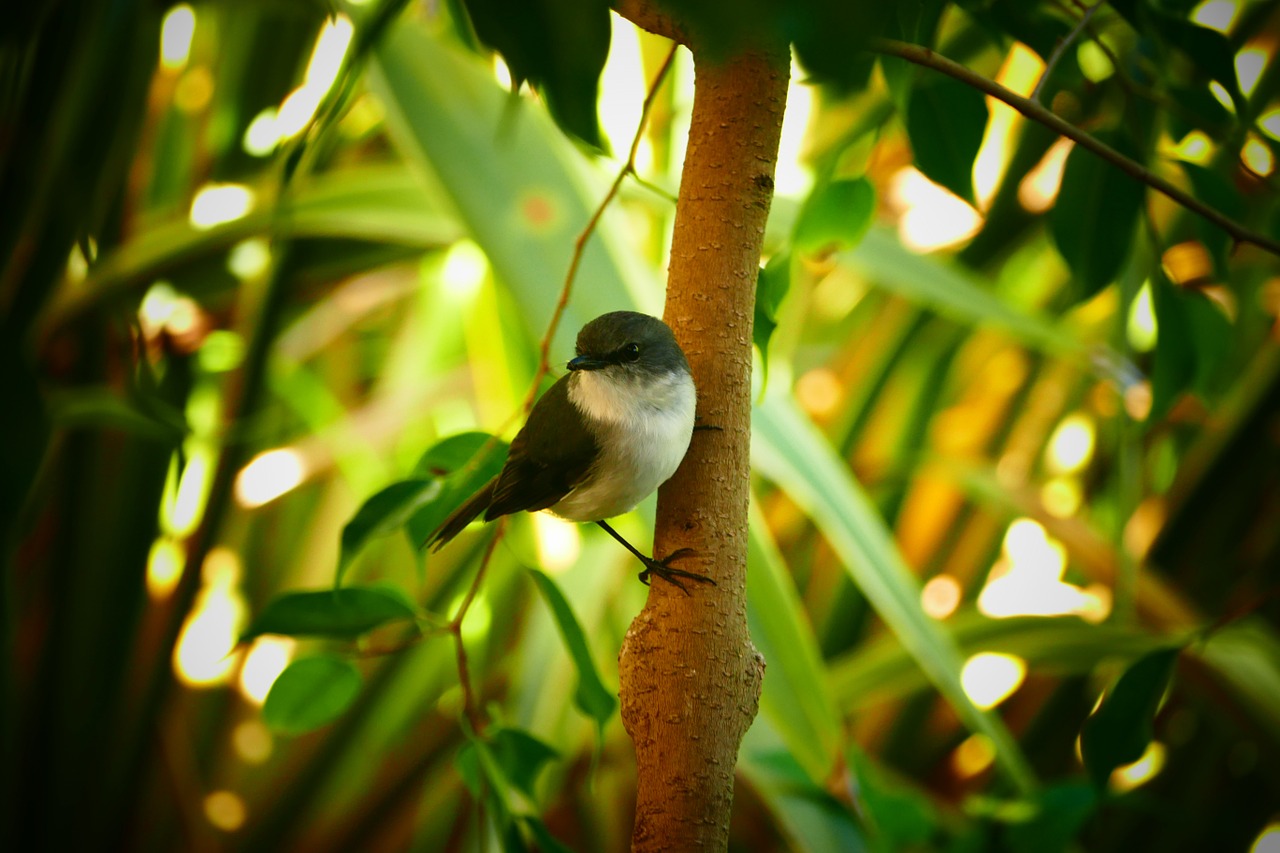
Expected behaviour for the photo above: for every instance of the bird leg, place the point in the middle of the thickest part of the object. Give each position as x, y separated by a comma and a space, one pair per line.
661, 568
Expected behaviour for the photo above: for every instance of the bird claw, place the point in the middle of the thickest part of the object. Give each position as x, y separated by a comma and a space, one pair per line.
663, 569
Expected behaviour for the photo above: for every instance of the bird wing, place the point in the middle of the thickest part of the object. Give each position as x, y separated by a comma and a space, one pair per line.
549, 457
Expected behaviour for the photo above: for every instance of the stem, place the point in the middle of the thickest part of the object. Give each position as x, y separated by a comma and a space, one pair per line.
927, 58
689, 675
1056, 56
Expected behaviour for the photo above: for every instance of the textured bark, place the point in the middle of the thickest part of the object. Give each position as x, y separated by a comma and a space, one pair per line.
690, 676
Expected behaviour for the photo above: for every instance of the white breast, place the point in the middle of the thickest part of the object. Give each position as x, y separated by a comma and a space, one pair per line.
643, 425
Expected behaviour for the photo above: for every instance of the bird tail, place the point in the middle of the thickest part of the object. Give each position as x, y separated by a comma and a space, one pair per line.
461, 517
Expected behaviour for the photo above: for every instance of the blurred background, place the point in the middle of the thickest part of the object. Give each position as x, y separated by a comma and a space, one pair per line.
1017, 434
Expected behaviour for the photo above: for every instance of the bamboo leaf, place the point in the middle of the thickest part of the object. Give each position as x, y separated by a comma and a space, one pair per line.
795, 696
942, 287
444, 111
884, 671
590, 694
380, 204
789, 450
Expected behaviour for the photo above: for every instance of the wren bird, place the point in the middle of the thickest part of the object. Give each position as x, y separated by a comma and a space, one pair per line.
601, 439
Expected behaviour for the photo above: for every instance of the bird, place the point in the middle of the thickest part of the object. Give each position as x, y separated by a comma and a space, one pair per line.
601, 439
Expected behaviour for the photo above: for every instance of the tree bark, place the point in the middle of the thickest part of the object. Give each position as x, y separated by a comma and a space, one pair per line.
690, 676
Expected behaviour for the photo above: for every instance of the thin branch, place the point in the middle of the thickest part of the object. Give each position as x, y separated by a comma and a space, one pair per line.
1056, 56
1038, 113
469, 709
580, 245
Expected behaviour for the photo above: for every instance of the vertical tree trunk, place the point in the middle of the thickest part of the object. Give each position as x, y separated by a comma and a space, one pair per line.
690, 676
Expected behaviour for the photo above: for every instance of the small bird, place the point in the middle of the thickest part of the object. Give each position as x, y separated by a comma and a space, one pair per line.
601, 439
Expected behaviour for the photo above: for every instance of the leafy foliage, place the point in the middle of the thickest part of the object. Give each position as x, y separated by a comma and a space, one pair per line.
210, 418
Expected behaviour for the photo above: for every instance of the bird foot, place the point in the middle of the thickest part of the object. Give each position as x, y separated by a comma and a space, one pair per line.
663, 569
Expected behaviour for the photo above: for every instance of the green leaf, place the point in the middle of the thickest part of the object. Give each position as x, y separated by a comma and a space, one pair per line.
444, 113
796, 697
882, 670
104, 408
340, 613
311, 693
914, 21
788, 449
560, 46
1192, 339
521, 756
934, 283
903, 817
772, 283
381, 514
450, 454
471, 460
946, 120
590, 695
809, 817
835, 215
829, 37
1060, 814
382, 204
1093, 219
1119, 731
1209, 50
1217, 192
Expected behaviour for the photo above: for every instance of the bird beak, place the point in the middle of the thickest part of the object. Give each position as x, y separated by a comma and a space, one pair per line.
586, 362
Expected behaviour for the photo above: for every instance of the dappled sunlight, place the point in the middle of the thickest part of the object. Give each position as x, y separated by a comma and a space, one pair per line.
266, 659
298, 107
559, 542
1039, 189
176, 32
1130, 776
1257, 157
932, 218
218, 204
225, 810
206, 654
269, 475
1019, 73
1217, 15
252, 741
1027, 579
1071, 444
974, 755
989, 678
164, 567
940, 596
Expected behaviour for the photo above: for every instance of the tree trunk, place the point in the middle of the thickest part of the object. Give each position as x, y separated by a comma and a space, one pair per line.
690, 676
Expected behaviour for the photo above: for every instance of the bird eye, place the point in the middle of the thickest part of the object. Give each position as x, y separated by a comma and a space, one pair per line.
630, 352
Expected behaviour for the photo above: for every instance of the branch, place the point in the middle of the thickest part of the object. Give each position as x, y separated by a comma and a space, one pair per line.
1038, 113
469, 708
646, 15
